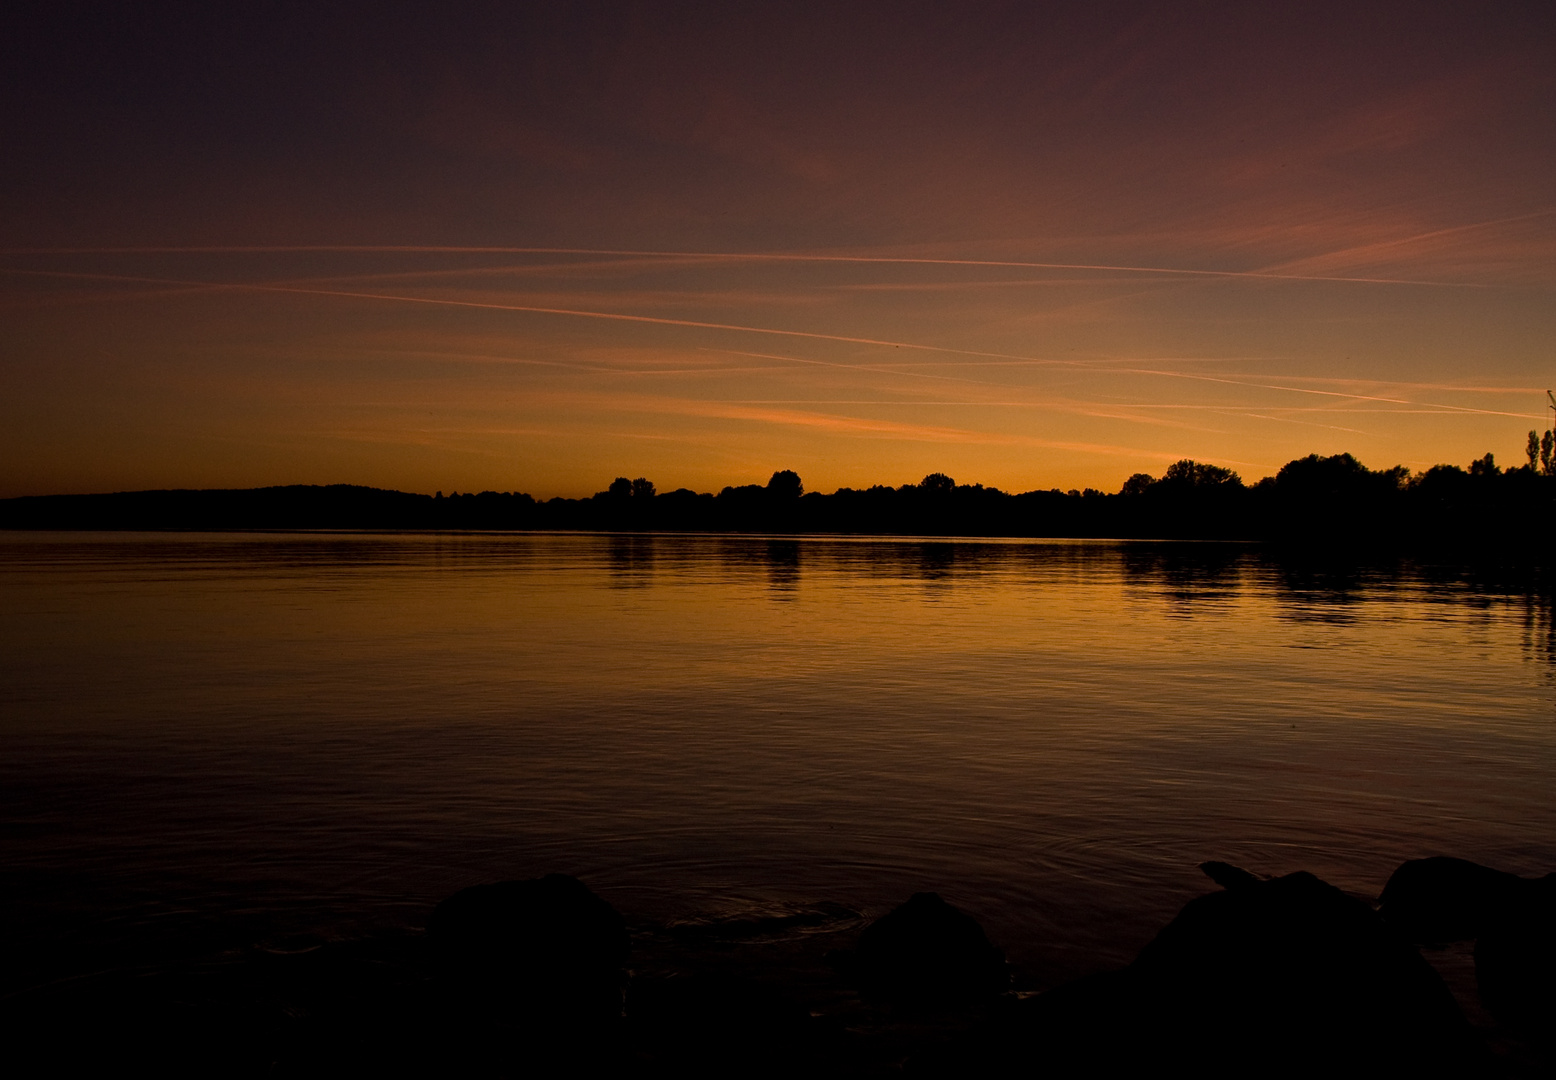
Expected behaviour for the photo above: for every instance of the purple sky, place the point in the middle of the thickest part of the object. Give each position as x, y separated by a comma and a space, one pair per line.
1031, 245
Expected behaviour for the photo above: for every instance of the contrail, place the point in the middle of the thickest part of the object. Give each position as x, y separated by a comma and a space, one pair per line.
1307, 423
429, 249
1324, 393
489, 306
1404, 240
874, 369
884, 369
698, 324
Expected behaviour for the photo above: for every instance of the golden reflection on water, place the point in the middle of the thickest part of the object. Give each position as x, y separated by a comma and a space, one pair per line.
1051, 734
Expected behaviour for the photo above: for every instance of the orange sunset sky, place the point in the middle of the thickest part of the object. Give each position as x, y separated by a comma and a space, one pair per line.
536, 246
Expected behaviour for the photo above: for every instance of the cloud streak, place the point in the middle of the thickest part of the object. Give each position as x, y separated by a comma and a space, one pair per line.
622, 317
738, 256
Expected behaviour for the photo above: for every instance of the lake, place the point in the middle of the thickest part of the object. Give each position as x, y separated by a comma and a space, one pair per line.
208, 741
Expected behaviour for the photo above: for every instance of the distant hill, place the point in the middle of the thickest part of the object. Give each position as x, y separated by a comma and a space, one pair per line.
336, 506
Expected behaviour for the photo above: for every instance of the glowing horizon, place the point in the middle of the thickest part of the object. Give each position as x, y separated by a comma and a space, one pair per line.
1050, 255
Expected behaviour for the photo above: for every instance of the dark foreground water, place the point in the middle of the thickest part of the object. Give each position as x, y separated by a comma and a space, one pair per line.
213, 741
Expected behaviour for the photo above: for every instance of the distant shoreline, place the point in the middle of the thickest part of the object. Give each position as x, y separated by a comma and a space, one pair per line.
1333, 502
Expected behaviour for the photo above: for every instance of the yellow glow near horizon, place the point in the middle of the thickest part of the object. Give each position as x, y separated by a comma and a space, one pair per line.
1028, 248
554, 377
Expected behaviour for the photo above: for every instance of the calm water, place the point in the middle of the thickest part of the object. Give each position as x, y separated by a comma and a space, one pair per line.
218, 739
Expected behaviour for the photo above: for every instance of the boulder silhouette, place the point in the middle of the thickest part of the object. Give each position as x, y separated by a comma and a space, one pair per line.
1515, 959
1294, 970
1227, 876
1512, 920
721, 1024
548, 943
1284, 977
926, 952
1440, 899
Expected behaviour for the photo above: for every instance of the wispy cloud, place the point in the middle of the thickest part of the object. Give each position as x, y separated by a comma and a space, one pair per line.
624, 317
736, 257
1413, 248
839, 424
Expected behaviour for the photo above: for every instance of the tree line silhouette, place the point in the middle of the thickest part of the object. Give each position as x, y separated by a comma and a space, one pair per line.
1334, 498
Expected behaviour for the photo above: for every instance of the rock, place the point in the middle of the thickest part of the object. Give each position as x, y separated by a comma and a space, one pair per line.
1438, 900
1515, 959
1287, 976
548, 944
719, 1024
1228, 876
1293, 970
1511, 918
926, 953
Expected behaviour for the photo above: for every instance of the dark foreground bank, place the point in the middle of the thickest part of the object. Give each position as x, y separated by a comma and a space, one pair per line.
1333, 499
1282, 976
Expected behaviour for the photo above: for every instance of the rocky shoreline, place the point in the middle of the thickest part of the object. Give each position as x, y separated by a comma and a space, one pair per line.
1279, 976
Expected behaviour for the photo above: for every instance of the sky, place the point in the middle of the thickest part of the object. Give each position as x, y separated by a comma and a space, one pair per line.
534, 247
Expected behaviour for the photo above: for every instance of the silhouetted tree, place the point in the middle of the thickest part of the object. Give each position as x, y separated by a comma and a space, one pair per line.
1324, 498
1329, 477
1533, 450
1395, 479
1137, 484
1442, 481
1187, 473
1336, 495
785, 484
